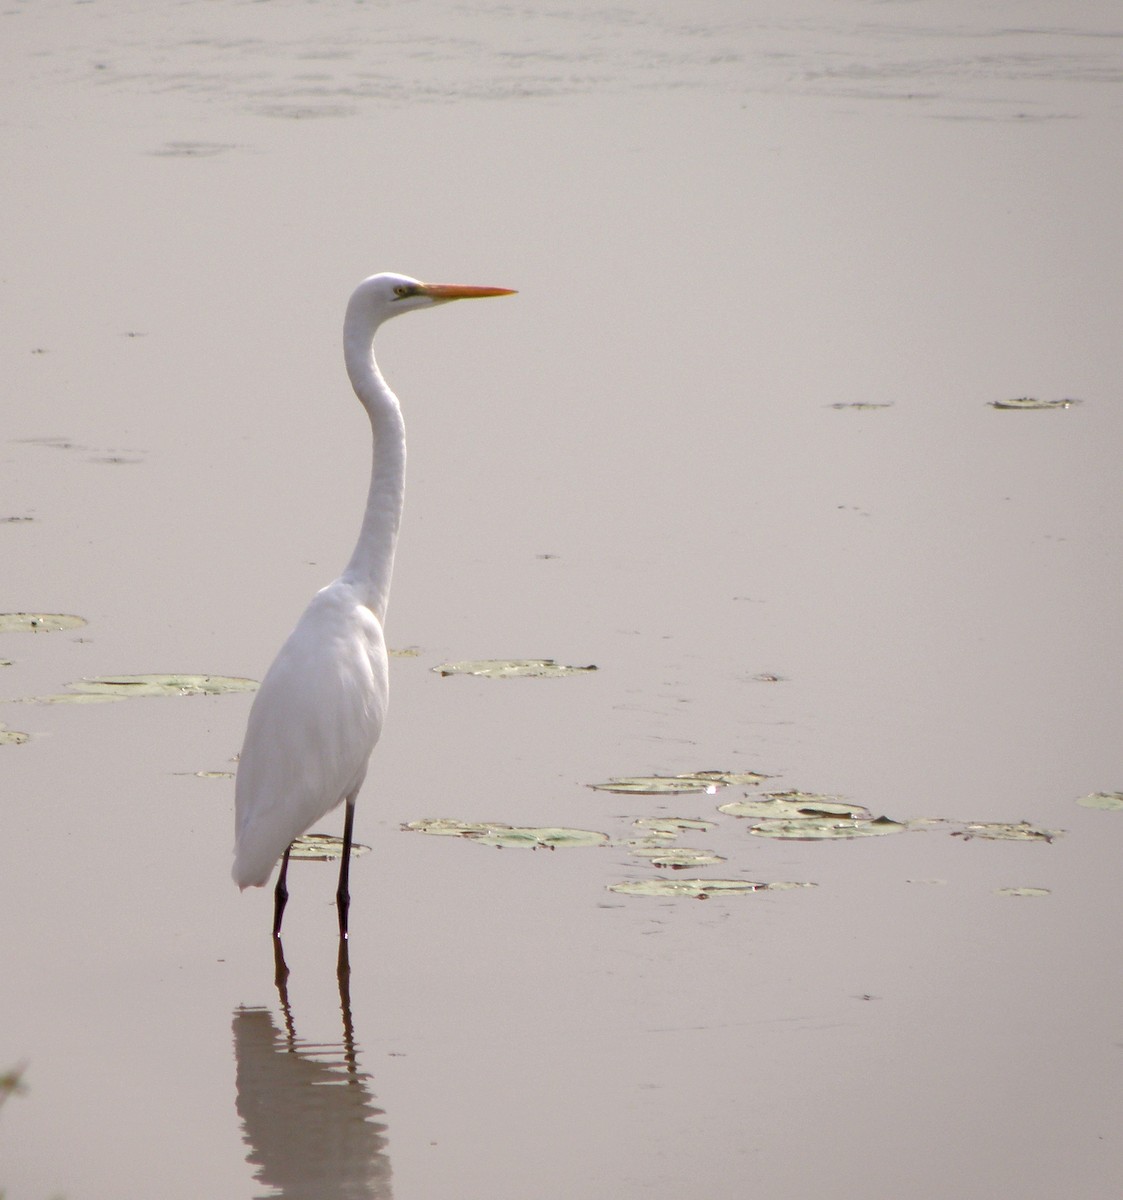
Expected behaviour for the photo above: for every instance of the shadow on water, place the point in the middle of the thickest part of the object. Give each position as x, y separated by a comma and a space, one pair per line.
307, 1111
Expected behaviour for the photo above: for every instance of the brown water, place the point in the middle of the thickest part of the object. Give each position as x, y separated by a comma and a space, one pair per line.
720, 226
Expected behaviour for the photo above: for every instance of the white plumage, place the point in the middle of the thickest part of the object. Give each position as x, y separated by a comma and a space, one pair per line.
320, 708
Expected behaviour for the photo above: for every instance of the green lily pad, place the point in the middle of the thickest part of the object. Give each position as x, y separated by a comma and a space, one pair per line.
162, 685
698, 889
493, 833
1029, 402
1021, 831
21, 622
1022, 891
813, 829
1107, 801
862, 404
323, 847
511, 668
11, 737
677, 857
794, 806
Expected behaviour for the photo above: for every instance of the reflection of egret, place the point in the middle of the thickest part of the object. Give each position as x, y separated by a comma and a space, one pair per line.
306, 1109
319, 711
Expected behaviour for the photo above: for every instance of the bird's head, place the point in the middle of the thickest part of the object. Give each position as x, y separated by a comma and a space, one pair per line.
381, 297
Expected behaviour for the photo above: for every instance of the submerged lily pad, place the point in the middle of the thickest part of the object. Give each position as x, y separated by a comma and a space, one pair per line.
11, 737
511, 668
1020, 831
494, 833
670, 826
1031, 402
1022, 891
813, 829
21, 622
698, 889
1108, 801
677, 857
323, 847
162, 685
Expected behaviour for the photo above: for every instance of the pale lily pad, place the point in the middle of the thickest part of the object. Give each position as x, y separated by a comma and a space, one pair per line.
1020, 831
494, 833
729, 778
404, 652
1029, 402
794, 806
21, 622
862, 404
677, 857
813, 829
696, 782
73, 698
698, 889
1108, 801
1022, 891
11, 737
162, 685
511, 668
323, 847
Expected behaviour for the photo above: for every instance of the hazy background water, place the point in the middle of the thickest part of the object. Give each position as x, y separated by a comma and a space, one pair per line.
722, 220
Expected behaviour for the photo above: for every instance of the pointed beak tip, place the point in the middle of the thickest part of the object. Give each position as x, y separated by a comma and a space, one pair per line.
457, 291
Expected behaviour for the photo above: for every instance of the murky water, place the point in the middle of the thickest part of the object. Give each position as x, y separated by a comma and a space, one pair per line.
729, 226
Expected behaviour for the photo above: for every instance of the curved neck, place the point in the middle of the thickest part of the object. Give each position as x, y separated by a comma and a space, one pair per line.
372, 562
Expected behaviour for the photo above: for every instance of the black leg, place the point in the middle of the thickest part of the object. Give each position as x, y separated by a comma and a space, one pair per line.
280, 895
342, 895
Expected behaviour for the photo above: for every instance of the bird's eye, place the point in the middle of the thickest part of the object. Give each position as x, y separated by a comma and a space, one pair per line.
402, 291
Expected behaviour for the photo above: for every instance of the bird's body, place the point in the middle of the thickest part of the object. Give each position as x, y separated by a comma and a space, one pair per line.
320, 708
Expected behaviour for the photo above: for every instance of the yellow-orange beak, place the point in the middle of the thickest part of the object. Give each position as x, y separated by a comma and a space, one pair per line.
460, 291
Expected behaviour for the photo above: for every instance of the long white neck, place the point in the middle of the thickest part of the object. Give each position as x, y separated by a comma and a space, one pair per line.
372, 563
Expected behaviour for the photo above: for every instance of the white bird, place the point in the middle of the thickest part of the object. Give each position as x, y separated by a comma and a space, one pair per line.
319, 710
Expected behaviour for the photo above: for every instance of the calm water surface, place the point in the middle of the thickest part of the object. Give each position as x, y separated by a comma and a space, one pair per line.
733, 443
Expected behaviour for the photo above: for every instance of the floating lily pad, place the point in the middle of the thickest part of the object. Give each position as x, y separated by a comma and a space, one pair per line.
677, 857
698, 889
1108, 801
794, 806
162, 685
1022, 891
323, 847
862, 404
511, 668
213, 774
492, 833
38, 622
657, 785
1031, 402
405, 652
11, 737
730, 778
682, 785
73, 698
1021, 831
813, 829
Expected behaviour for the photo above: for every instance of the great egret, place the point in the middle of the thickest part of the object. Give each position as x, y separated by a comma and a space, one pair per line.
319, 710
